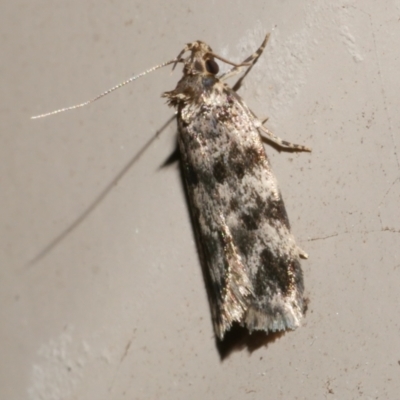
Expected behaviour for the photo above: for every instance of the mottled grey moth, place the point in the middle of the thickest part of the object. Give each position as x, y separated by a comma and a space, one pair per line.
250, 256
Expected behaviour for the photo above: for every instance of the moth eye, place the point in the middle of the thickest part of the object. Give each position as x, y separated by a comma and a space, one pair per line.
212, 67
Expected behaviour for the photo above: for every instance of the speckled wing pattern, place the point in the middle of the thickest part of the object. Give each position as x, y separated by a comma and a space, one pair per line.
242, 228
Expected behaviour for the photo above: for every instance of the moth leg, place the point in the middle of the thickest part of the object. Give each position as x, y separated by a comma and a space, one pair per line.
251, 59
277, 140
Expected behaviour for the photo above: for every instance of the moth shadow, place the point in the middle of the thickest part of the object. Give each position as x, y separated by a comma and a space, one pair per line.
239, 338
173, 158
98, 199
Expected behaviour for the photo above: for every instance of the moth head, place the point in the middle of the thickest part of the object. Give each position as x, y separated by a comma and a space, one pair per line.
201, 60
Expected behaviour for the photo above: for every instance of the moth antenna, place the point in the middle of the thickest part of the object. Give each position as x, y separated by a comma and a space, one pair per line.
178, 58
133, 78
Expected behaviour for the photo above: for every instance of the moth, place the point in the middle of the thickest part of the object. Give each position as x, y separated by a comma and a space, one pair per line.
250, 257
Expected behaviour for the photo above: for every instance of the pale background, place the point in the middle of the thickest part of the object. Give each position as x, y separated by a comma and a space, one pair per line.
117, 309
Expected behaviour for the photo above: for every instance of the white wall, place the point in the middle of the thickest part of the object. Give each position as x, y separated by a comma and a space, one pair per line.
117, 307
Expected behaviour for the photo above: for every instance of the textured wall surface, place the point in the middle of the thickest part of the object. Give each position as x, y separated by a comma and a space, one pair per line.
102, 297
